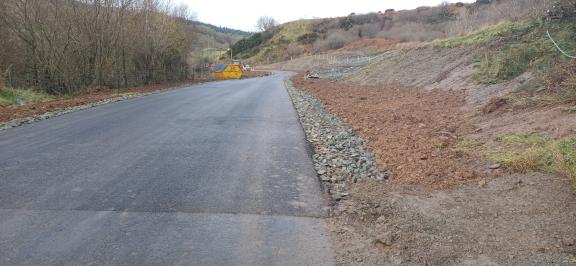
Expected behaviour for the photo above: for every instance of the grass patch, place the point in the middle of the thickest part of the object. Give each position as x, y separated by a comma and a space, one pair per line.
466, 145
537, 153
22, 96
523, 153
125, 94
486, 35
565, 151
517, 47
569, 109
526, 49
7, 97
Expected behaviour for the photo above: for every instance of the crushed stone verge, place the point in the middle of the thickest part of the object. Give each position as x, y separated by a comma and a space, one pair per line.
340, 158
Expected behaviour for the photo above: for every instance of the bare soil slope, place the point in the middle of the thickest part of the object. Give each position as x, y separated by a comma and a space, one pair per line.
410, 131
445, 206
436, 68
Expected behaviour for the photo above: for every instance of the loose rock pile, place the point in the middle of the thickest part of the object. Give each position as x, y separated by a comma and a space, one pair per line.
339, 156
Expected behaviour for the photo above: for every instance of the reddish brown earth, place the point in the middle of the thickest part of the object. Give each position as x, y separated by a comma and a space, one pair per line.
411, 132
445, 205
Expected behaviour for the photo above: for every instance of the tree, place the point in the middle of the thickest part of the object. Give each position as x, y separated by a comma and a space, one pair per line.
294, 50
445, 12
266, 23
63, 46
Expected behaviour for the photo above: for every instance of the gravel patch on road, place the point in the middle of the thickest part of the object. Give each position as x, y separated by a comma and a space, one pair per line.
340, 158
28, 120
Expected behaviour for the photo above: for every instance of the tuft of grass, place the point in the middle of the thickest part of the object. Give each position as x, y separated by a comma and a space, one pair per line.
523, 153
536, 153
22, 96
562, 79
7, 97
569, 109
125, 94
521, 141
565, 151
466, 145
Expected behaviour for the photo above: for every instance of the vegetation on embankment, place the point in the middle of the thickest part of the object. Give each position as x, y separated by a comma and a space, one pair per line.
277, 43
10, 97
65, 47
512, 48
305, 37
536, 152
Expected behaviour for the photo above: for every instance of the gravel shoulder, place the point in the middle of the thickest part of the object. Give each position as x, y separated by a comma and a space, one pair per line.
13, 116
429, 204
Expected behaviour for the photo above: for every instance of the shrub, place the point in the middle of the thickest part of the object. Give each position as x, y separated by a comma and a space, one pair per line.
334, 40
247, 43
308, 38
563, 79
345, 23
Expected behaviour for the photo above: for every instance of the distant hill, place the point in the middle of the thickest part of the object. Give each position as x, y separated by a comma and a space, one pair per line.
224, 29
211, 36
313, 36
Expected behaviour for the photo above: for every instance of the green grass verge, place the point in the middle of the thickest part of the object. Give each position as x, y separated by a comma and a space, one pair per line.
536, 153
512, 48
7, 97
527, 50
22, 96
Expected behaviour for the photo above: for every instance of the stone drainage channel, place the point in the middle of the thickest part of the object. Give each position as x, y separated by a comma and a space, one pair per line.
340, 158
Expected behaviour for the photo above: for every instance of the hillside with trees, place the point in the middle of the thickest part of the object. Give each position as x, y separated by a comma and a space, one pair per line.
313, 36
66, 46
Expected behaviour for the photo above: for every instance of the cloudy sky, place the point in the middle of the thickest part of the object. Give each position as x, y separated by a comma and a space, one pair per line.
242, 15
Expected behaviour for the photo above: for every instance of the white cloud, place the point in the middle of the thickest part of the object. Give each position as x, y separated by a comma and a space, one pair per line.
243, 14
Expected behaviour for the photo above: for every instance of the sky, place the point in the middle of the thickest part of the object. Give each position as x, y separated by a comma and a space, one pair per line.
242, 15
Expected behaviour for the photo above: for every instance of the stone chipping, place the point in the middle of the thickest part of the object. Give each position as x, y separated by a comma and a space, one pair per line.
340, 158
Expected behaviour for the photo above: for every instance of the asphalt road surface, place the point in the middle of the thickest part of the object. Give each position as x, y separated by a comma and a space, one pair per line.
213, 174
